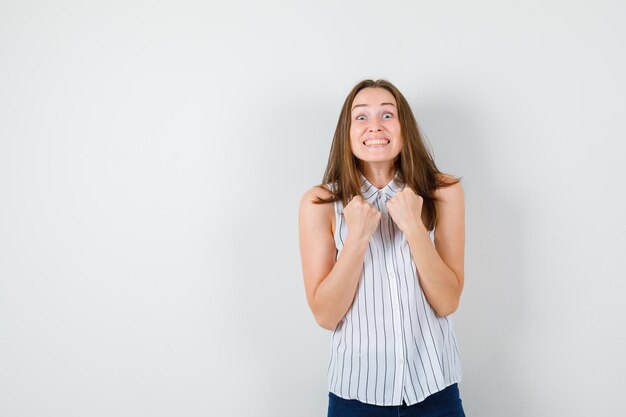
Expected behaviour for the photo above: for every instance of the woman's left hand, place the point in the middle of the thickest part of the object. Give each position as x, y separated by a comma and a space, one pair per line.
405, 208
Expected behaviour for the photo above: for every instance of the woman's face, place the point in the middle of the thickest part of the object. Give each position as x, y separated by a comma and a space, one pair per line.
374, 115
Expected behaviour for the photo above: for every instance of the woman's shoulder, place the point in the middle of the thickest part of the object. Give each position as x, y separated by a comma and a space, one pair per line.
319, 215
446, 178
451, 190
315, 192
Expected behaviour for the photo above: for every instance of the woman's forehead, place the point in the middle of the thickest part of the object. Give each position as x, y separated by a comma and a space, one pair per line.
373, 97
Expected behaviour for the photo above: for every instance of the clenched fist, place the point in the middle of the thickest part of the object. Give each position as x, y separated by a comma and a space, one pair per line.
362, 219
405, 208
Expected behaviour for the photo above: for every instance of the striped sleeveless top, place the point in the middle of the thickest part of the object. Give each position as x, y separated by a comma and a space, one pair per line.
391, 345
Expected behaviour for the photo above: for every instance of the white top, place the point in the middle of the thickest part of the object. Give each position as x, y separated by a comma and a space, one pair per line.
391, 345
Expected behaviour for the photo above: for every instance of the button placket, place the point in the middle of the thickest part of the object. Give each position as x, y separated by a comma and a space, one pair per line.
395, 298
381, 201
400, 360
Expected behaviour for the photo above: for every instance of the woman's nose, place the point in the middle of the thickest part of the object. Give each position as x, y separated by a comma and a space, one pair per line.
375, 126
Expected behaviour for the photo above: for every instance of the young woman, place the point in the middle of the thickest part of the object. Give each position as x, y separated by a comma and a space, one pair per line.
382, 249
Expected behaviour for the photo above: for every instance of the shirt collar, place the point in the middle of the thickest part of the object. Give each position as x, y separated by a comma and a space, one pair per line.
371, 193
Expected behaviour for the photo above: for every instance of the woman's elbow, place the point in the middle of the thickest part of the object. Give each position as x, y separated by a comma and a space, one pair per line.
324, 323
449, 308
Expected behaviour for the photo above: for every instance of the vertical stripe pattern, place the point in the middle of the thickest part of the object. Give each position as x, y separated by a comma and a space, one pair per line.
391, 345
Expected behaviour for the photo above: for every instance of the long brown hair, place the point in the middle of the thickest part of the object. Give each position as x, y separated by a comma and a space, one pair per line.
415, 164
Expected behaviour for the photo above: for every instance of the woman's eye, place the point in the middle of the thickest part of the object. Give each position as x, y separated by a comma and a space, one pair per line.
359, 117
390, 114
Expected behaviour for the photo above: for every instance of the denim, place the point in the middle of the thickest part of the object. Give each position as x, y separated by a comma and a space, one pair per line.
445, 403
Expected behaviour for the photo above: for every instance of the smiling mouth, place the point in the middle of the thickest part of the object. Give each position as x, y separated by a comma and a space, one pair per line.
376, 143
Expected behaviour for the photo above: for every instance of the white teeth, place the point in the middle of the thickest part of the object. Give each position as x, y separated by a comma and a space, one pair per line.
376, 142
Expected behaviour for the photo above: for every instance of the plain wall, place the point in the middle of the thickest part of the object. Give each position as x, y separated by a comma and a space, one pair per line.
153, 155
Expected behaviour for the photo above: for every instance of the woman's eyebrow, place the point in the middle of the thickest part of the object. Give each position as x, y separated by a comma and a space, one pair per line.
367, 105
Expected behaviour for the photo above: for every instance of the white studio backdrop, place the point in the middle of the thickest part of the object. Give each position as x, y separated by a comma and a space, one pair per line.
153, 155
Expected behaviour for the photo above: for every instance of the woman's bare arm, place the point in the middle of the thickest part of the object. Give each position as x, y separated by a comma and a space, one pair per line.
330, 285
440, 267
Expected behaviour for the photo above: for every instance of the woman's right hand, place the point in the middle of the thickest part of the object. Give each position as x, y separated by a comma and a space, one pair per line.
362, 219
